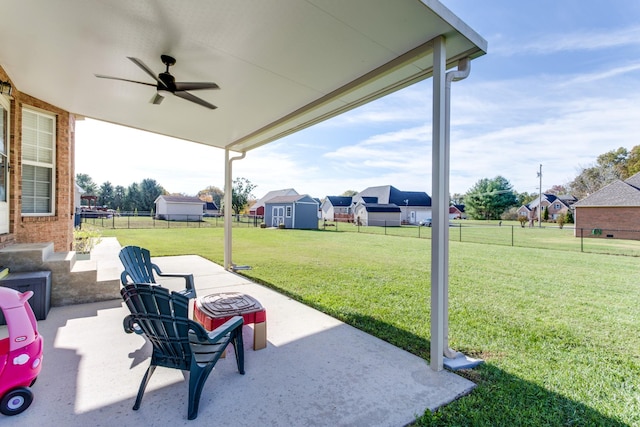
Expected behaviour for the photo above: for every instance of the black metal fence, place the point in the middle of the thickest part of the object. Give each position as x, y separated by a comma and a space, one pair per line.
139, 220
568, 238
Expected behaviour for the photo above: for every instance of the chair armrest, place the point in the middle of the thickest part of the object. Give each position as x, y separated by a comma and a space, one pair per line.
130, 325
123, 277
219, 332
188, 278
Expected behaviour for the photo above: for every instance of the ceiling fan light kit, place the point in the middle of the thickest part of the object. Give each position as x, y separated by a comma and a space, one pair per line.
166, 83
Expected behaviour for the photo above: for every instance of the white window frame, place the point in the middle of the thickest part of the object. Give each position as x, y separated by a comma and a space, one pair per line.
38, 163
7, 125
288, 210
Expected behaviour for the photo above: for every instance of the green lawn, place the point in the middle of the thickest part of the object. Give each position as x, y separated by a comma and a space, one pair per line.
559, 331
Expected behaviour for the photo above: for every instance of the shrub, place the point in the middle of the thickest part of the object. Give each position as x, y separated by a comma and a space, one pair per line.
85, 239
523, 220
569, 217
510, 215
561, 220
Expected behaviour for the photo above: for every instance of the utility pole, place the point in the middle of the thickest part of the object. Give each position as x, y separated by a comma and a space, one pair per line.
540, 199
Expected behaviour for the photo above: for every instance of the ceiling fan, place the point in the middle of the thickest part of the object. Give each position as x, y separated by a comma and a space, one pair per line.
166, 83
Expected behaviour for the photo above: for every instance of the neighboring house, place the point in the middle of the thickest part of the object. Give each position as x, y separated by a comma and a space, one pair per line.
557, 205
258, 208
337, 208
457, 212
179, 208
415, 206
299, 211
376, 214
613, 211
211, 209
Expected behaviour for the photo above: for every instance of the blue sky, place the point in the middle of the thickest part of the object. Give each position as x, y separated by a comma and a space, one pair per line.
559, 86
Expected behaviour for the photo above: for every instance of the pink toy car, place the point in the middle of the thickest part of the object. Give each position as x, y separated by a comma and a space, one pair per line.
20, 352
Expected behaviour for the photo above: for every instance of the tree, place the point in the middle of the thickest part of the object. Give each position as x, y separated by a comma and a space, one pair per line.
569, 217
526, 198
633, 161
557, 190
106, 195
86, 183
615, 162
132, 199
240, 194
212, 194
489, 198
457, 199
149, 192
609, 167
349, 193
119, 196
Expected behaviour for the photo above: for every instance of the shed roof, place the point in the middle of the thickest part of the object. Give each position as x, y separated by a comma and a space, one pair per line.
281, 65
180, 199
271, 194
290, 199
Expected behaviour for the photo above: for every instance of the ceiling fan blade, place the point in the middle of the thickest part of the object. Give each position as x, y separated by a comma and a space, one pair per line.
100, 76
144, 67
196, 85
157, 99
189, 97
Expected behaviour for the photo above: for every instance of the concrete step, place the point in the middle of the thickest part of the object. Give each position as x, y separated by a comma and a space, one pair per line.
25, 256
73, 281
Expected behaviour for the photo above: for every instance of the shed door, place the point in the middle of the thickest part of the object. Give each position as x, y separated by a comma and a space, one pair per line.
277, 216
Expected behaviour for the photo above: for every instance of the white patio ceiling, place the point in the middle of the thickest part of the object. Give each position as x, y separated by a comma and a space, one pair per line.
282, 65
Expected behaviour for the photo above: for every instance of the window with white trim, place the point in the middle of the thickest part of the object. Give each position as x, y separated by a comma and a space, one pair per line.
288, 212
38, 163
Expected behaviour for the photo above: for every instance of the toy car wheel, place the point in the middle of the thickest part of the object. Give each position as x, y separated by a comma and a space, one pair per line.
16, 401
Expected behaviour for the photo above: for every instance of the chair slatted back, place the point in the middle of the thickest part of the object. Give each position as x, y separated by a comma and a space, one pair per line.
164, 319
137, 265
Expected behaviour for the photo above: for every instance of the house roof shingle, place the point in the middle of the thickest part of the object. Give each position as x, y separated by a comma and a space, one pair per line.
340, 200
377, 207
618, 193
390, 194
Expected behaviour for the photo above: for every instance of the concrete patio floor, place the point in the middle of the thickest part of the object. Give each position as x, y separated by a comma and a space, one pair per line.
315, 371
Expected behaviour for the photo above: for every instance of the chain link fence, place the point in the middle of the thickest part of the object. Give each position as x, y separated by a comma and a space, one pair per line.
552, 237
140, 220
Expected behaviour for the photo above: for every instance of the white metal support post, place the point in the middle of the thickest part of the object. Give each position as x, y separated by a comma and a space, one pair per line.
440, 206
228, 211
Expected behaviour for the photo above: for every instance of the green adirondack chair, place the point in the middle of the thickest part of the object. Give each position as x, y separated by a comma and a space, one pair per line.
178, 342
138, 268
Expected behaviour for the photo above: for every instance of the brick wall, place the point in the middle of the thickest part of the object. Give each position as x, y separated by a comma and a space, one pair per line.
36, 229
616, 222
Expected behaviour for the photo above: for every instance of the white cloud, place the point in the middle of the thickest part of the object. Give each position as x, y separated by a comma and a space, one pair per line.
569, 41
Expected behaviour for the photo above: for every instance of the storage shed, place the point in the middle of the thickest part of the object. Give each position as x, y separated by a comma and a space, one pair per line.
376, 214
299, 212
179, 208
